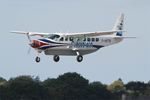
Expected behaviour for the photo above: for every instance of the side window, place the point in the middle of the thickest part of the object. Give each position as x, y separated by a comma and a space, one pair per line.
97, 39
62, 39
77, 39
66, 38
88, 39
84, 39
71, 39
93, 39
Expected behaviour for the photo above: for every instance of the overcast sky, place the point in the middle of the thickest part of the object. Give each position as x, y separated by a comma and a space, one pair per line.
129, 60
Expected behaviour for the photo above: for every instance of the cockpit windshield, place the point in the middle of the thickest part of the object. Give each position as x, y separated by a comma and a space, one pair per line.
53, 36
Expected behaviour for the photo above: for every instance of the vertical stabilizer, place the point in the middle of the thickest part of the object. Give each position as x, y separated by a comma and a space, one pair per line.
119, 24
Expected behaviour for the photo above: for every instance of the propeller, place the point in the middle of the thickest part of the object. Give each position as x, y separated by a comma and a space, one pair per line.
30, 42
29, 37
29, 50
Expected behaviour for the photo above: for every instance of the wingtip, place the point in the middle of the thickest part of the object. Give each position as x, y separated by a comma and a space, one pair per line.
18, 32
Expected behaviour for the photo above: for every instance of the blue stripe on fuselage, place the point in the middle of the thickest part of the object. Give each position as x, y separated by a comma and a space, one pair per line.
45, 40
48, 41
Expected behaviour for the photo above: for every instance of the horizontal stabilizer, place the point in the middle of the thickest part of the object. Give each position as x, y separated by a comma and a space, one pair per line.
117, 36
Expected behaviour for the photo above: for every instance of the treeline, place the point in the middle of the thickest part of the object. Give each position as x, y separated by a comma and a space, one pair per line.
69, 86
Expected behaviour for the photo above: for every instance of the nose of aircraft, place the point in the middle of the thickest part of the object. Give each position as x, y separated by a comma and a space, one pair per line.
35, 44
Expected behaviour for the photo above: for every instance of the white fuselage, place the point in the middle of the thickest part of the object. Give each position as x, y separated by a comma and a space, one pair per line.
67, 46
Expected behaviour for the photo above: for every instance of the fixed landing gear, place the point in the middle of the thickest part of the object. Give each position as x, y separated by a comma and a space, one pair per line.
56, 58
37, 59
79, 58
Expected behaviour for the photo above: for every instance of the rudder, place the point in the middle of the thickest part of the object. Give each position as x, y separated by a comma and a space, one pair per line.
119, 25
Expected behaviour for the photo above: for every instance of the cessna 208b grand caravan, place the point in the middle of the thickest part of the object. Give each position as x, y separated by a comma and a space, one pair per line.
75, 44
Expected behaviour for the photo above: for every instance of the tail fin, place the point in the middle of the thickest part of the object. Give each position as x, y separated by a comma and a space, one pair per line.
119, 25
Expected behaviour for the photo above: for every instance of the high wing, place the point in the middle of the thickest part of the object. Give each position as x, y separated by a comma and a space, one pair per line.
88, 34
113, 36
81, 34
31, 33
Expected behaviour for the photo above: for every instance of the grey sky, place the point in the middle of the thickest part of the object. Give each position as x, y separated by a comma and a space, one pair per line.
129, 60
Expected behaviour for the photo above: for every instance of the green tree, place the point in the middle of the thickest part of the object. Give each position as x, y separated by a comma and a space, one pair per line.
2, 81
75, 86
69, 86
116, 86
98, 91
3, 89
52, 87
25, 88
136, 88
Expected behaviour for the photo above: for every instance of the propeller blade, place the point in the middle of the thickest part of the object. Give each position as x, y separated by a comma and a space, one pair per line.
29, 50
29, 38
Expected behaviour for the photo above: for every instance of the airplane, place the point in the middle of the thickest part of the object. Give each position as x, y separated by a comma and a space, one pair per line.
75, 44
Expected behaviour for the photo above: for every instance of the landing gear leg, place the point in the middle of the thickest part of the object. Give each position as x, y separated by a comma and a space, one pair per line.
38, 59
56, 58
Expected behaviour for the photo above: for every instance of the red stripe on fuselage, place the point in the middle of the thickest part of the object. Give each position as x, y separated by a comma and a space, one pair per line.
38, 44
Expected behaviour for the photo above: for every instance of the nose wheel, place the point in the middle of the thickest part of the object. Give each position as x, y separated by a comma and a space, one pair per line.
79, 58
37, 59
56, 58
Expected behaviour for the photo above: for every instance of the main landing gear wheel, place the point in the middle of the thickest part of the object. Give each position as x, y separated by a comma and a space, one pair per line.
56, 58
37, 59
79, 58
